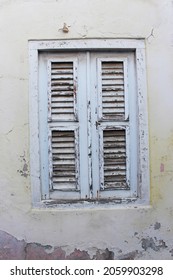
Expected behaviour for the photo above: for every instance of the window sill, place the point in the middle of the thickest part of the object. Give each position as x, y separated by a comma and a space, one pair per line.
129, 203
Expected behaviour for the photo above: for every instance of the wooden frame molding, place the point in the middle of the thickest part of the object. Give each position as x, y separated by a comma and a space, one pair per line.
126, 45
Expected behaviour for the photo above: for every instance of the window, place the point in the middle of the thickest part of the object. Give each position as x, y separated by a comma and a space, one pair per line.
88, 118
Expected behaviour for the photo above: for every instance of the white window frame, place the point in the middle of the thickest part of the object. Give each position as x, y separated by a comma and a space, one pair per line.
136, 45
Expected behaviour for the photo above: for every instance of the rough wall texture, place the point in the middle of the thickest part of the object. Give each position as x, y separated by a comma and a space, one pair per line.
122, 233
13, 249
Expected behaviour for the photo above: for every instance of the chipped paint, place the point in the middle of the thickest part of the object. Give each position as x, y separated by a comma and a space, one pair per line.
104, 255
130, 256
25, 168
150, 243
157, 226
12, 248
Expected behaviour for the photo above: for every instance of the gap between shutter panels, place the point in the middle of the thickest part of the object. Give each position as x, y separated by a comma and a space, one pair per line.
62, 91
113, 101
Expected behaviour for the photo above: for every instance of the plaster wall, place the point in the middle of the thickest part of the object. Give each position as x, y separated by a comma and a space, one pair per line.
141, 233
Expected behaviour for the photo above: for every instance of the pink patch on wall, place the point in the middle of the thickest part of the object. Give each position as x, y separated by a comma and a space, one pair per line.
162, 167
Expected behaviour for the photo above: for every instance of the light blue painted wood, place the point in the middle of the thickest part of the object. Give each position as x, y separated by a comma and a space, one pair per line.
88, 125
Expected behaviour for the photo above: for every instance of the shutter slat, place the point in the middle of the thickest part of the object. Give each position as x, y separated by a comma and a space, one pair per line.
113, 110
59, 105
61, 88
65, 156
115, 87
63, 94
63, 145
59, 151
64, 180
62, 99
61, 110
113, 103
111, 76
109, 99
62, 77
114, 153
67, 186
112, 94
111, 81
63, 160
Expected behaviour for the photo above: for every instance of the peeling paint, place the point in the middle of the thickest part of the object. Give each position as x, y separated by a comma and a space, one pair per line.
12, 248
25, 169
130, 256
171, 251
104, 255
150, 243
157, 226
78, 255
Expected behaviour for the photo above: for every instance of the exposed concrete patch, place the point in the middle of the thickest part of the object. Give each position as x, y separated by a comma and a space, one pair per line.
171, 251
78, 255
150, 243
10, 247
36, 251
157, 225
104, 255
130, 256
25, 169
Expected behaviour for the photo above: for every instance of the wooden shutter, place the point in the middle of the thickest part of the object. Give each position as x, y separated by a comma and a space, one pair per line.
89, 133
63, 128
113, 124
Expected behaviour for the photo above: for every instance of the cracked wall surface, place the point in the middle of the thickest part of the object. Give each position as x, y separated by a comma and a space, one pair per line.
121, 233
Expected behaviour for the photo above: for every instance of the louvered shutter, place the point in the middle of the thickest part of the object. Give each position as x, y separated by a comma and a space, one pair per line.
113, 100
114, 158
63, 128
62, 97
114, 124
64, 155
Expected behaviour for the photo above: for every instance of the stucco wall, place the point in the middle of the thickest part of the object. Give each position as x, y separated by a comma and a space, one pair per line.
141, 233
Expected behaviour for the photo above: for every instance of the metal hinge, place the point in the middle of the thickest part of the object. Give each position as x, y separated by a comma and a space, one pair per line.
97, 123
